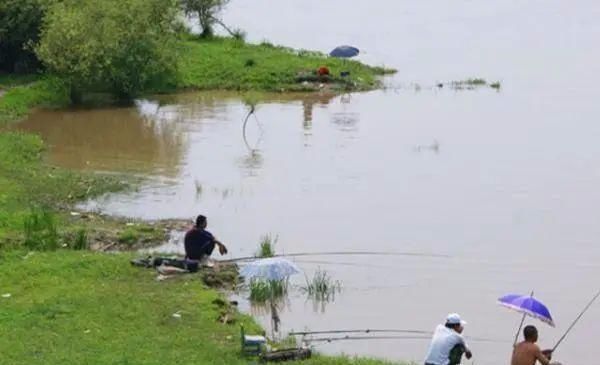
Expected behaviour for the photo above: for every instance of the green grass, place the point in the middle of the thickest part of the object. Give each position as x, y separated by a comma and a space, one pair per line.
226, 63
79, 307
139, 234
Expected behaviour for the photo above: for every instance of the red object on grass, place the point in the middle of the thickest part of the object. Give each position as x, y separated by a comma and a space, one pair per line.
322, 71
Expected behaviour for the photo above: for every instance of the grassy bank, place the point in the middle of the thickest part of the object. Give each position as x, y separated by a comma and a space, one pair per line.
69, 307
27, 183
226, 63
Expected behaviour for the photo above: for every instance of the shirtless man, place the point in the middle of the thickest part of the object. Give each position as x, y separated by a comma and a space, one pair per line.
527, 352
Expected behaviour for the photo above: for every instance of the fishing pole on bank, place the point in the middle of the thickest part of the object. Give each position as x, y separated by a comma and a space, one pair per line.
409, 334
576, 320
360, 338
399, 337
340, 253
304, 333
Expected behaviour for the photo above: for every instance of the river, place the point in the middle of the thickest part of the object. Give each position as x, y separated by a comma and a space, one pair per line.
505, 183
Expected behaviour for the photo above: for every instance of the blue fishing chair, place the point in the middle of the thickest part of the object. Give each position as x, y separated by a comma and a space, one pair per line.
252, 345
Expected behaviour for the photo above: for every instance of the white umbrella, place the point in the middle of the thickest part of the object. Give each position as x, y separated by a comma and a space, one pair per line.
270, 269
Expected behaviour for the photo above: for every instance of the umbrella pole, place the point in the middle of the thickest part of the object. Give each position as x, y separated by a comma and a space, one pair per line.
520, 326
518, 331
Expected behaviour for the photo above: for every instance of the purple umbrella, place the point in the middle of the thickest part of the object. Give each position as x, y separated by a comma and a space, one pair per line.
527, 305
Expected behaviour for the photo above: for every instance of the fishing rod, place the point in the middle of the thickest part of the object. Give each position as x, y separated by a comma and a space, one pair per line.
576, 320
359, 338
304, 333
342, 263
340, 253
413, 332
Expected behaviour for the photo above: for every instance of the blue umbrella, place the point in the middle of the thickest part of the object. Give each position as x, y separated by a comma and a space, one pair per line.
270, 269
344, 52
528, 305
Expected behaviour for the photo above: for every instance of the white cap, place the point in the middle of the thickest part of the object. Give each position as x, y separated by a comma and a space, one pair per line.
454, 318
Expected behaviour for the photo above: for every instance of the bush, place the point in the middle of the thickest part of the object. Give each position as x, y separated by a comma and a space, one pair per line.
40, 232
130, 46
80, 241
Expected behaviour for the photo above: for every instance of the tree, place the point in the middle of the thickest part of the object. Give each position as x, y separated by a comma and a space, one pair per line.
20, 22
206, 11
120, 46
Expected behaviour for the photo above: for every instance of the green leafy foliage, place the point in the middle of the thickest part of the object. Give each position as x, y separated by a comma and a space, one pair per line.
20, 22
131, 45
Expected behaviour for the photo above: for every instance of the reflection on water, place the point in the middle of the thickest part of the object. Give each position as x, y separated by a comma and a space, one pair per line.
270, 311
145, 138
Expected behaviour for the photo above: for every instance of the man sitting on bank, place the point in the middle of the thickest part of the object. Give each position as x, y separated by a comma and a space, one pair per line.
200, 243
527, 352
448, 345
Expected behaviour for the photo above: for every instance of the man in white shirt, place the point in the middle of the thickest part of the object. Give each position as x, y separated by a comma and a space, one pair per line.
448, 345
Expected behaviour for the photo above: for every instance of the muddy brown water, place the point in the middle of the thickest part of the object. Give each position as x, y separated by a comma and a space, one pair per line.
511, 193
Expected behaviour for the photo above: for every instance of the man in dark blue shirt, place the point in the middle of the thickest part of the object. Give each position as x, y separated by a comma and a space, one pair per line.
200, 243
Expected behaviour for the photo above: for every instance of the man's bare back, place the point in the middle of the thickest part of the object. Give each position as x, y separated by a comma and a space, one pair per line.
526, 353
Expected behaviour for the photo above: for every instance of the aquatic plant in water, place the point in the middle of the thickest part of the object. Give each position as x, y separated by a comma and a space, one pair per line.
321, 286
266, 246
472, 84
264, 290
